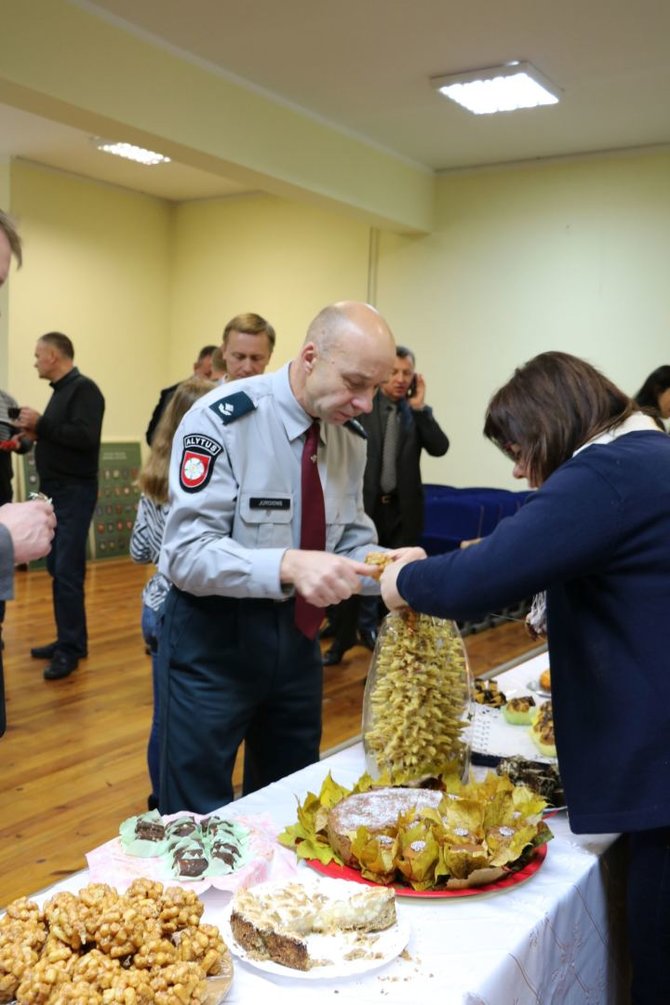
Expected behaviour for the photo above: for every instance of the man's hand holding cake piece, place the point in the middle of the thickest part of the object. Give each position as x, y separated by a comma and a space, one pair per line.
386, 565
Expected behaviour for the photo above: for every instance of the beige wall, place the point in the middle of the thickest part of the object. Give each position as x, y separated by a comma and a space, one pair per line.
95, 267
570, 256
280, 259
140, 285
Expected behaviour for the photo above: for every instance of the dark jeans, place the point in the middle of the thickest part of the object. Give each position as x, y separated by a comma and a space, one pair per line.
74, 503
151, 628
232, 670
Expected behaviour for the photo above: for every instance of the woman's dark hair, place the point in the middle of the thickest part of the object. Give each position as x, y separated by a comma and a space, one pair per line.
552, 405
656, 383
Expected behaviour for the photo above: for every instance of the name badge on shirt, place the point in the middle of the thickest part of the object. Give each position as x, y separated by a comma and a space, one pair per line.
197, 461
268, 502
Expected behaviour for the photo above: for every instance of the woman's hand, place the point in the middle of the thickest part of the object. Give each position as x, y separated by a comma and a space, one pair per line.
390, 595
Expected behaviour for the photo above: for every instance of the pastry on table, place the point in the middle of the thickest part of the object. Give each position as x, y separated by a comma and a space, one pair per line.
520, 711
487, 692
542, 730
275, 922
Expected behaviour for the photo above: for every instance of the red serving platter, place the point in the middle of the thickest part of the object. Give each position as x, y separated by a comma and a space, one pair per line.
336, 871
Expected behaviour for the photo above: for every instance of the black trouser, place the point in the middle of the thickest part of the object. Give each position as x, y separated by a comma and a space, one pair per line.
354, 613
648, 898
232, 670
74, 503
367, 612
388, 521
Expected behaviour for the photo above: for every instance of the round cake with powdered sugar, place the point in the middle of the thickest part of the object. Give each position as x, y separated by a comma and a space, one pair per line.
378, 811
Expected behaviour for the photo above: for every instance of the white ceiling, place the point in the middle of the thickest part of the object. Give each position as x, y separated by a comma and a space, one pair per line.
364, 66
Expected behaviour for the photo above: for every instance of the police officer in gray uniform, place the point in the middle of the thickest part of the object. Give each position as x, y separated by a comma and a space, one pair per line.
233, 665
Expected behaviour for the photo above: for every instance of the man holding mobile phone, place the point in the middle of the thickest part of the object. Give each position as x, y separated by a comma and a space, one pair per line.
398, 428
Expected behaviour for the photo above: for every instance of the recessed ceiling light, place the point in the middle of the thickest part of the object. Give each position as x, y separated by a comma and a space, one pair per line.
131, 152
498, 88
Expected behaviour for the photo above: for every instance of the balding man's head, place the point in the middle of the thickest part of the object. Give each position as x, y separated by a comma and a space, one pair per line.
349, 351
349, 320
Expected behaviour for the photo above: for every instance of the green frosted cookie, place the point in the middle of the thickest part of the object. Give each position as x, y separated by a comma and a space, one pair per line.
229, 846
520, 711
144, 835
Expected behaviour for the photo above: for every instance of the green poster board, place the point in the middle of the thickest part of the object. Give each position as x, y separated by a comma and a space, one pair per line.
30, 481
117, 499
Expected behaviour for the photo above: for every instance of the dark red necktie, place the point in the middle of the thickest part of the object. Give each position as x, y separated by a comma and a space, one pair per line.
308, 618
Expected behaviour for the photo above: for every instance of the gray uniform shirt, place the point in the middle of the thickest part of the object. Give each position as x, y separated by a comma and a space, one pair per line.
235, 490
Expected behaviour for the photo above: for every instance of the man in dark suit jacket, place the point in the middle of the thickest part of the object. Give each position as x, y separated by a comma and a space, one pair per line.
392, 489
399, 427
201, 368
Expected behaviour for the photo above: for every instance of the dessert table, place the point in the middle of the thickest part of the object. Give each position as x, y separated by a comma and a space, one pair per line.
554, 938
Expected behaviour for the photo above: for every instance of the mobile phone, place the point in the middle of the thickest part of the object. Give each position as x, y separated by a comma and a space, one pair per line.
13, 412
411, 390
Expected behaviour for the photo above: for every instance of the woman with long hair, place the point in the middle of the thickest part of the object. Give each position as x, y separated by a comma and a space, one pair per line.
147, 536
654, 395
596, 536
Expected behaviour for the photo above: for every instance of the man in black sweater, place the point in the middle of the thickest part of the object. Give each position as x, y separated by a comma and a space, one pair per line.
66, 456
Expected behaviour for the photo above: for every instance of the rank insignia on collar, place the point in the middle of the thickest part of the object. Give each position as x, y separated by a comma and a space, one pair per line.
232, 407
197, 461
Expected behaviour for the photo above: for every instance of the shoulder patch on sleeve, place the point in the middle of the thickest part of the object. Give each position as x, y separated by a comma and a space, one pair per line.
355, 427
233, 406
197, 461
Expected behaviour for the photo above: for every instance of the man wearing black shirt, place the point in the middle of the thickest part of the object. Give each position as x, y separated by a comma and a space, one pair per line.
66, 456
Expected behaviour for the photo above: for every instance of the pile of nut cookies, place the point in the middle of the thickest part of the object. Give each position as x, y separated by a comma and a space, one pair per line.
98, 946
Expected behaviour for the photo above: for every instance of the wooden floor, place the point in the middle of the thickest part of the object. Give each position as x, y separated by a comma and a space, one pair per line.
72, 763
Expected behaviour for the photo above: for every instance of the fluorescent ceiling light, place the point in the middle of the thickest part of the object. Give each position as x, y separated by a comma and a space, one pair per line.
131, 152
498, 88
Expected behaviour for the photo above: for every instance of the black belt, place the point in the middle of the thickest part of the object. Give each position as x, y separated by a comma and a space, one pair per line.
385, 500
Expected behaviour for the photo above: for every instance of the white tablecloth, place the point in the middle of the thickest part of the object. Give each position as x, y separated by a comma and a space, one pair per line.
551, 939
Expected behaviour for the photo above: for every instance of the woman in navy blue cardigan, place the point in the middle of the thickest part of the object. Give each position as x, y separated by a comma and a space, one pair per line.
596, 536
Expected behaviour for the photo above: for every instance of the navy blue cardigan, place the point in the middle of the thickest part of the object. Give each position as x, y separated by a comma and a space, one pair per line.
596, 535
